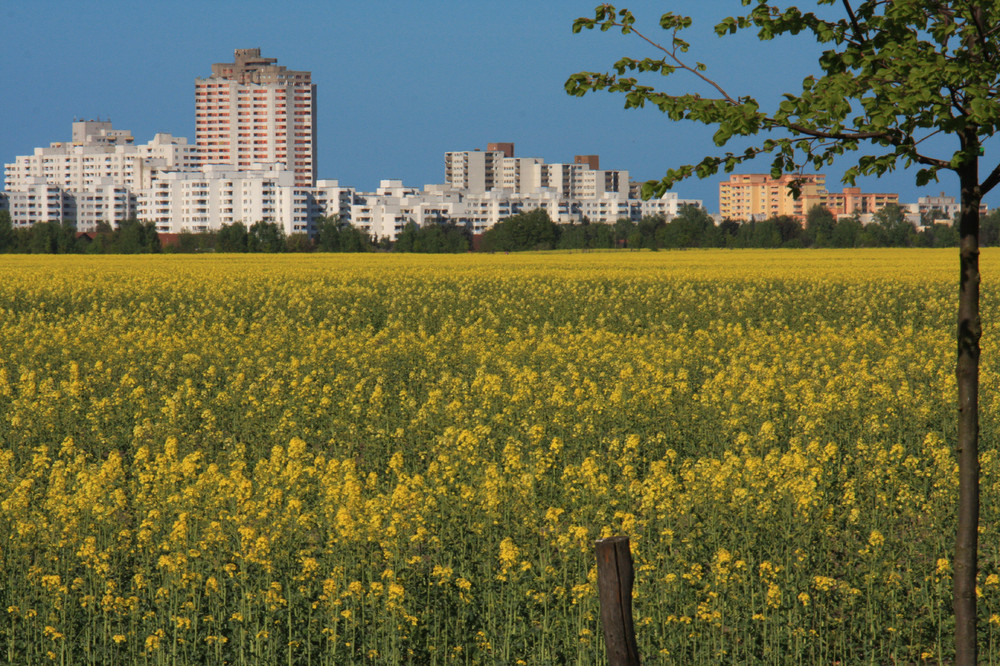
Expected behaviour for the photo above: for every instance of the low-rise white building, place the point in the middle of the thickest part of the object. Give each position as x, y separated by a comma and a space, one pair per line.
38, 201
945, 207
206, 198
384, 213
105, 201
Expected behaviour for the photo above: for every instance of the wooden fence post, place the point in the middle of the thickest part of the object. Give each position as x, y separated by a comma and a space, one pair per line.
614, 585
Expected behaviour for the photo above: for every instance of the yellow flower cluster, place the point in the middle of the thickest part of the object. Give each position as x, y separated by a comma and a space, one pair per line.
402, 459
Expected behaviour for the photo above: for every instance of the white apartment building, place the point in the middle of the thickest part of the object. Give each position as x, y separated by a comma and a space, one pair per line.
563, 179
77, 166
254, 111
474, 171
105, 202
497, 168
103, 177
330, 198
92, 178
668, 206
204, 199
945, 205
38, 201
395, 205
520, 173
384, 213
481, 211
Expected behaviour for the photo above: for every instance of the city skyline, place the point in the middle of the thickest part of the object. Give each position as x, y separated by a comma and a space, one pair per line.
398, 85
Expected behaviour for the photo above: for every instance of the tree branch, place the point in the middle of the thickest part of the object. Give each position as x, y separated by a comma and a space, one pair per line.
931, 161
976, 18
672, 54
991, 181
859, 34
837, 136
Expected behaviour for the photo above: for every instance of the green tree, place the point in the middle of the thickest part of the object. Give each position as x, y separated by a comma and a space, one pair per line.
649, 228
43, 238
22, 240
634, 240
187, 242
789, 229
190, 242
328, 233
135, 237
989, 229
585, 235
765, 234
896, 230
691, 227
266, 236
937, 235
727, 231
432, 238
66, 241
600, 236
7, 239
524, 231
847, 232
102, 240
233, 237
406, 239
891, 74
335, 235
458, 238
623, 231
353, 239
299, 242
50, 238
572, 237
820, 223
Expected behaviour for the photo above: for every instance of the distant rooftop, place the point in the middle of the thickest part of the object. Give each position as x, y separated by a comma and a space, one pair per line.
249, 67
99, 133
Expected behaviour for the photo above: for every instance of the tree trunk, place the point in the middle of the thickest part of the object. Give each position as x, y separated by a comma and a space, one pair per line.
967, 448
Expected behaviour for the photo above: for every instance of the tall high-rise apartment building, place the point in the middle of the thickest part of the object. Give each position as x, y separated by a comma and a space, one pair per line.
253, 111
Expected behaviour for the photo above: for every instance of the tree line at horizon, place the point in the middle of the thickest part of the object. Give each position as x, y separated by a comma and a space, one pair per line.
692, 227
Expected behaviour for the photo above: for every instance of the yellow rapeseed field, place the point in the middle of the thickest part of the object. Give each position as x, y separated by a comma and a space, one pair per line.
399, 459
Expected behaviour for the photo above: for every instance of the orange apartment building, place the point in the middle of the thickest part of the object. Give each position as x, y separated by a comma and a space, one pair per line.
757, 196
255, 111
852, 200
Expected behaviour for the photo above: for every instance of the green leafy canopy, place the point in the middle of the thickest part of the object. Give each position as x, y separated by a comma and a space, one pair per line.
892, 74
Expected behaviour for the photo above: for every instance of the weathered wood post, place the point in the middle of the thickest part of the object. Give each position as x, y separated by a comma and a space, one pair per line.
614, 585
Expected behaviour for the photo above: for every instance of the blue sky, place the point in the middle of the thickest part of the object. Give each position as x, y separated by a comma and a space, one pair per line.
399, 83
